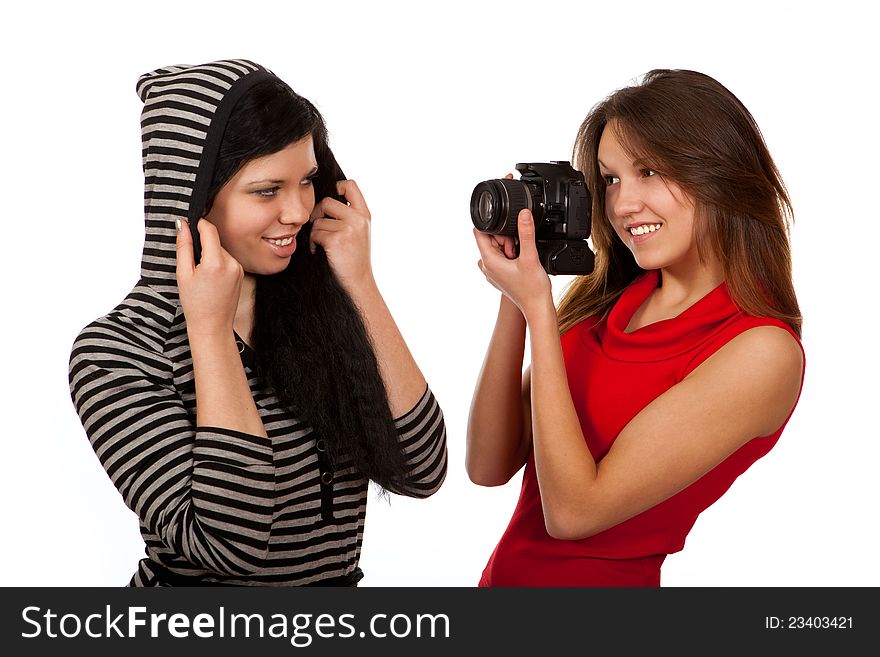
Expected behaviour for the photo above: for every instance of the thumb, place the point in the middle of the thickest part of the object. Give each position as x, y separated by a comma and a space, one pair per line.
525, 227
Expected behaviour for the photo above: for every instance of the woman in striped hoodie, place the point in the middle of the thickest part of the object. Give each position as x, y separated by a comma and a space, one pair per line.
253, 381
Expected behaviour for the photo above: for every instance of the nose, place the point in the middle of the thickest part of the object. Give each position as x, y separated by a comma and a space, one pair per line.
295, 209
628, 199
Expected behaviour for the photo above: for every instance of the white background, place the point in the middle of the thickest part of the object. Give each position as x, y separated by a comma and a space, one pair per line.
423, 100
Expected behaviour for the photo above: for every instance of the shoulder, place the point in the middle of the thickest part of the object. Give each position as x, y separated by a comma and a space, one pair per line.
762, 366
137, 332
764, 348
145, 313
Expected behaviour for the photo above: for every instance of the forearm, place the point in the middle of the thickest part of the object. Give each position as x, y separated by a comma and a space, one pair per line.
565, 468
223, 396
495, 443
404, 382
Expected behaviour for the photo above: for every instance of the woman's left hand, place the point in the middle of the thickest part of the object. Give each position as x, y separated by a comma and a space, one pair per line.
343, 231
523, 279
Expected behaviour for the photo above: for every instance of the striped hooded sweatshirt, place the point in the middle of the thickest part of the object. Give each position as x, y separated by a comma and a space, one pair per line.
215, 505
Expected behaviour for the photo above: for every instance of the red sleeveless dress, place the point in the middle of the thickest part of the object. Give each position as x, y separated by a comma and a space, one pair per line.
612, 375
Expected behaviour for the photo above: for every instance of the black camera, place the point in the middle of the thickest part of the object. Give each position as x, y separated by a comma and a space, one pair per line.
560, 203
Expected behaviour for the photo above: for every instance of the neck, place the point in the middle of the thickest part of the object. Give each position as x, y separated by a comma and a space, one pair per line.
244, 314
682, 284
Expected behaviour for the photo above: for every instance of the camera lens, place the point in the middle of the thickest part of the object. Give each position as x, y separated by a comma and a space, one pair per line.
487, 207
495, 205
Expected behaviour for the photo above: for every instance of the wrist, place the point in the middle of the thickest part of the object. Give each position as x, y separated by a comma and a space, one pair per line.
509, 314
364, 291
540, 313
210, 340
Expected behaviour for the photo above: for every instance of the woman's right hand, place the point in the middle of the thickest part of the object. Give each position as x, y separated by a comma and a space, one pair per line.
209, 291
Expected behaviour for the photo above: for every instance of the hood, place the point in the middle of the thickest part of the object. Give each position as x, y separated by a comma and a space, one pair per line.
186, 109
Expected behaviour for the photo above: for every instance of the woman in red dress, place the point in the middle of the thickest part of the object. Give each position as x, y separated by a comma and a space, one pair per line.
679, 362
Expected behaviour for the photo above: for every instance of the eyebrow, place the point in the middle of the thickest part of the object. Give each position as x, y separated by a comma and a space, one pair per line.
312, 172
266, 180
637, 163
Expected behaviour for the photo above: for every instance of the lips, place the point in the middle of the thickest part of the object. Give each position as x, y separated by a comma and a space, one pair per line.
282, 246
641, 224
281, 240
640, 231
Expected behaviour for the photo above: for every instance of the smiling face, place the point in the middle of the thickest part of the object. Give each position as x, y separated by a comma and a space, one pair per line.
651, 214
259, 211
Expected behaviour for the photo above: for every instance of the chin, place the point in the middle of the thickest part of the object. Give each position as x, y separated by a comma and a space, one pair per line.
655, 260
650, 262
265, 269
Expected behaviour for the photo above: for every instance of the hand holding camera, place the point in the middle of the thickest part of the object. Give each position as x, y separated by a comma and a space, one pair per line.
556, 196
521, 279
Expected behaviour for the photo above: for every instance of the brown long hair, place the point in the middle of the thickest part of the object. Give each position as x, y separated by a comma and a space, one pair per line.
689, 128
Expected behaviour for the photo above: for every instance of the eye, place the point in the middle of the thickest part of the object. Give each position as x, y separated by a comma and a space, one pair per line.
269, 192
647, 173
310, 180
611, 180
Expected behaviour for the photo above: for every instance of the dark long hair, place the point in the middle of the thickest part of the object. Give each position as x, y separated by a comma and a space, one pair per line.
312, 347
689, 128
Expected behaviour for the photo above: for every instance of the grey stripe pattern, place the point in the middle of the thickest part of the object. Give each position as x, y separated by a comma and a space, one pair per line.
213, 503
179, 103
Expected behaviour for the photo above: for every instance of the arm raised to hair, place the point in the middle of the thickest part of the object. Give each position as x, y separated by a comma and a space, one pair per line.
343, 231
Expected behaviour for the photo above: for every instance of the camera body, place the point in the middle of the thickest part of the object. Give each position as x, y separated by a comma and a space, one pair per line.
558, 198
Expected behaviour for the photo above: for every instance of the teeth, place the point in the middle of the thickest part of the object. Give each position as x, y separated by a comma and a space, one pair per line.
284, 242
642, 230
